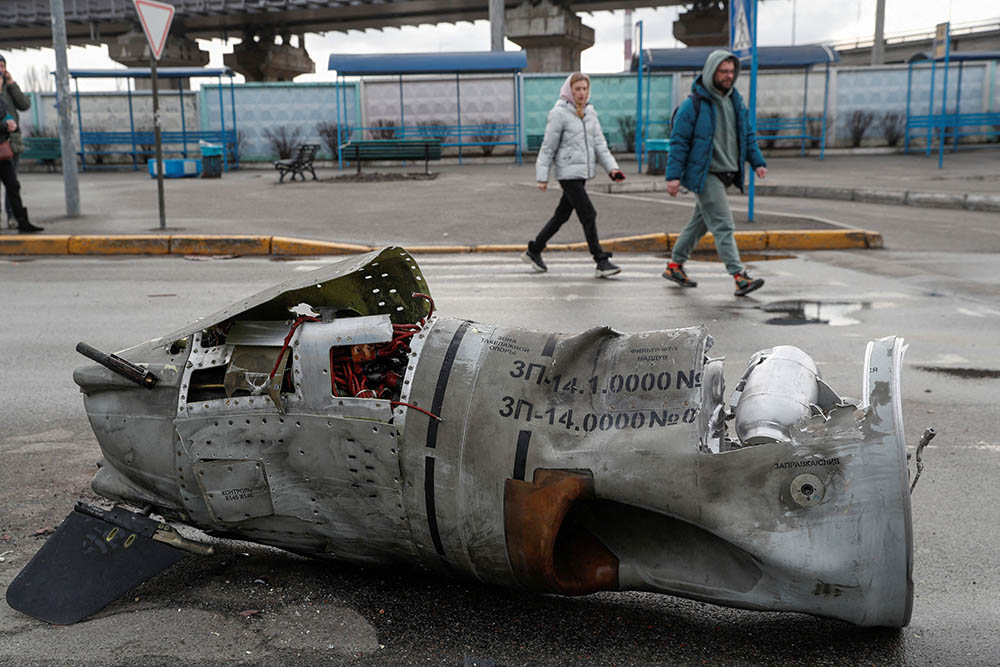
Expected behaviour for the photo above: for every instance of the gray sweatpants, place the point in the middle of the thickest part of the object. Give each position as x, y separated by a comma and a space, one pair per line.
711, 214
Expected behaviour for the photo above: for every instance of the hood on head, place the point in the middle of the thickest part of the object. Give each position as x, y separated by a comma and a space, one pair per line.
716, 58
566, 92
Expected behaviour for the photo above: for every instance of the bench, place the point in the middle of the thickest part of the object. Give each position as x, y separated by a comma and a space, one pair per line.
298, 165
392, 149
140, 145
949, 127
45, 149
534, 141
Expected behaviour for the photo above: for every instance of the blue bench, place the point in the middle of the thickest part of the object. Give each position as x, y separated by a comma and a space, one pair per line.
951, 127
141, 145
773, 129
534, 142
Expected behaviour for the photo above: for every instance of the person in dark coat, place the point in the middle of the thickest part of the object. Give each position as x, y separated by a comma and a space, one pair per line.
8, 175
710, 143
16, 101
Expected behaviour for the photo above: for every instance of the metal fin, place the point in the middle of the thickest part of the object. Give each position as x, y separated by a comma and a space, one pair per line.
93, 558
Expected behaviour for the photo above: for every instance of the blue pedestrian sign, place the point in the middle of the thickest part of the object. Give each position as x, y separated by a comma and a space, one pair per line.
742, 25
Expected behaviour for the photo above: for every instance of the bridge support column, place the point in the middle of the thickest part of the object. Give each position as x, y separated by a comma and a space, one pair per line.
132, 50
705, 24
260, 59
552, 35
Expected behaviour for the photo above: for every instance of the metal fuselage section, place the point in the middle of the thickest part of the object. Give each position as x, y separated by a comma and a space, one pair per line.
561, 463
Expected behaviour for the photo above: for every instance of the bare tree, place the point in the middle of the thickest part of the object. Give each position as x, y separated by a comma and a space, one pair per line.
892, 124
38, 79
383, 129
283, 141
858, 123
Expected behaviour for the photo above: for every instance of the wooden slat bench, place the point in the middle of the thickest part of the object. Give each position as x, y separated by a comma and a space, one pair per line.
392, 149
45, 149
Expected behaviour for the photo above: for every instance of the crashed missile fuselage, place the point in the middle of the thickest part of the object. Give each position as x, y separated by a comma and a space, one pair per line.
363, 427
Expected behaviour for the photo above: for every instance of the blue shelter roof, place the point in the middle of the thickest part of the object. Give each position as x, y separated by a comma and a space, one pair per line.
350, 64
768, 57
144, 72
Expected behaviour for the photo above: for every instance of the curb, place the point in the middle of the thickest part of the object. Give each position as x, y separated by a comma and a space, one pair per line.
178, 244
956, 200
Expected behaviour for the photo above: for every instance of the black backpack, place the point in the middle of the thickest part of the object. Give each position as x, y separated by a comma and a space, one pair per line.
696, 100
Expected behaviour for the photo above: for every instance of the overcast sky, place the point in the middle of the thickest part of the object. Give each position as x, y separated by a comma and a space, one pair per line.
815, 21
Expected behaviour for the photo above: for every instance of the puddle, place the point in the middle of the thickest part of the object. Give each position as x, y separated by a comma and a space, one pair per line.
831, 313
967, 373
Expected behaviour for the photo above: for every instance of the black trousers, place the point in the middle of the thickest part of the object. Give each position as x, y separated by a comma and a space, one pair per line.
8, 176
6, 193
574, 198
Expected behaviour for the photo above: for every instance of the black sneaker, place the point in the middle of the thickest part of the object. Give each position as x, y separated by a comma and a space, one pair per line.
745, 284
675, 272
605, 269
535, 259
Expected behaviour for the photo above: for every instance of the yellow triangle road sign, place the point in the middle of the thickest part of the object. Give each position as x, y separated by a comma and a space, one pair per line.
155, 18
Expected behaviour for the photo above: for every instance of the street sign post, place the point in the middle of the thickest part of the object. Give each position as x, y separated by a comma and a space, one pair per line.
155, 18
942, 49
743, 42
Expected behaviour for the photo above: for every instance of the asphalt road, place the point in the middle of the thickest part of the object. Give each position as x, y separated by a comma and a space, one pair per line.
944, 303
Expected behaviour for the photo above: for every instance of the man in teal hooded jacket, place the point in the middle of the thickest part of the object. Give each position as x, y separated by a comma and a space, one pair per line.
710, 143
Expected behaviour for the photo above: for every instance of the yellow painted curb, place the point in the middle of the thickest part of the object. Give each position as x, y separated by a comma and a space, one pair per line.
431, 249
48, 244
284, 245
119, 245
219, 245
744, 241
873, 240
820, 239
643, 243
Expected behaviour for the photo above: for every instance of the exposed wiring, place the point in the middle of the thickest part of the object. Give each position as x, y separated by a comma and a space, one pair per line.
417, 408
288, 339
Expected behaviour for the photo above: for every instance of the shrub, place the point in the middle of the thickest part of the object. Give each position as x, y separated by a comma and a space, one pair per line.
327, 131
43, 131
892, 124
145, 150
769, 136
814, 127
283, 141
383, 129
433, 129
489, 133
626, 125
857, 124
98, 157
239, 148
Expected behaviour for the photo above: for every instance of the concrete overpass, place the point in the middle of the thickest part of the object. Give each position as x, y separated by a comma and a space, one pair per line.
272, 30
900, 47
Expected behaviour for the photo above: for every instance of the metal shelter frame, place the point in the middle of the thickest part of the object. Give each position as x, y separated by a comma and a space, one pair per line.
457, 63
948, 125
139, 138
692, 59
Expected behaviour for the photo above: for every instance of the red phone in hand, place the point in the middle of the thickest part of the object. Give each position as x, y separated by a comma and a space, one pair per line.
619, 176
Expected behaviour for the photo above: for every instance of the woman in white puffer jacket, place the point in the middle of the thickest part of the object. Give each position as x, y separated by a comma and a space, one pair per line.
575, 144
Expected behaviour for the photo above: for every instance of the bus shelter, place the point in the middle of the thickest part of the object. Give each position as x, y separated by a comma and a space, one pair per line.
948, 125
692, 59
401, 65
137, 143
